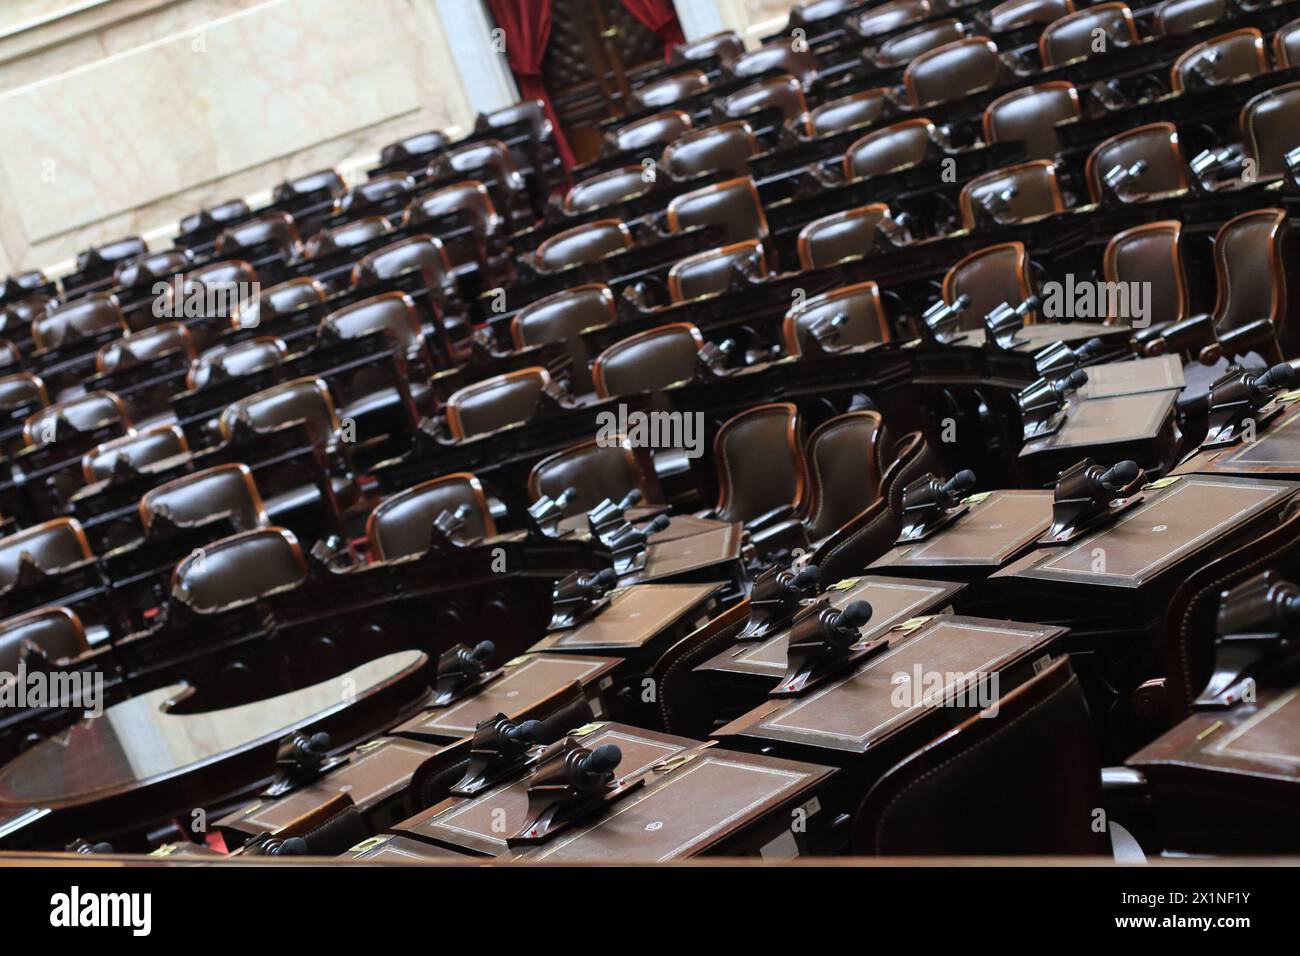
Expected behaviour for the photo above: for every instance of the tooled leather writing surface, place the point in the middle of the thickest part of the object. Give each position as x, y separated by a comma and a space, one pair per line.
1106, 420
892, 601
1129, 378
857, 711
1260, 739
483, 823
1194, 512
681, 813
992, 531
1275, 451
679, 555
137, 741
367, 778
634, 616
529, 683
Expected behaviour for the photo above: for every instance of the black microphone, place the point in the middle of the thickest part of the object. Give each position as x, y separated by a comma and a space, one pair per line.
1074, 381
293, 846
482, 650
631, 498
1279, 376
527, 732
959, 484
1029, 305
853, 617
599, 583
1089, 349
602, 760
659, 524
809, 577
1120, 475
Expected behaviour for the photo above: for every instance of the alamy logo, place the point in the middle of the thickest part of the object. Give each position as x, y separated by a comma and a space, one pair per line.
74, 909
683, 430
921, 687
1125, 302
180, 300
73, 689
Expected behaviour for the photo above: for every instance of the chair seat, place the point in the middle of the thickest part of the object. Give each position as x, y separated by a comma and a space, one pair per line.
306, 496
383, 400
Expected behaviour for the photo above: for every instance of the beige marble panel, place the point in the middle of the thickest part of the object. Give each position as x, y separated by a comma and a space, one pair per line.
143, 117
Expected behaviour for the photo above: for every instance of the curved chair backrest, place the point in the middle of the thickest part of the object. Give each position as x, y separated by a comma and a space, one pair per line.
897, 146
400, 524
1036, 192
145, 346
1151, 253
840, 237
733, 204
1270, 123
783, 93
607, 189
143, 448
1155, 145
56, 631
847, 112
860, 307
759, 457
583, 244
596, 469
1030, 115
710, 272
647, 361
496, 402
990, 276
85, 413
197, 497
1251, 269
87, 316
1222, 59
953, 71
239, 570
52, 545
279, 302
724, 148
242, 358
301, 400
1074, 36
671, 89
844, 470
657, 130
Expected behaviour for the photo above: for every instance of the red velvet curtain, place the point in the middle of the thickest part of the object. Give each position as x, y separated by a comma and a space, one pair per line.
527, 26
659, 17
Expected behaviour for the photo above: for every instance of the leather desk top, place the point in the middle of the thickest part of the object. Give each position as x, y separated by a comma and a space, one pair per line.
893, 600
998, 526
635, 616
1275, 452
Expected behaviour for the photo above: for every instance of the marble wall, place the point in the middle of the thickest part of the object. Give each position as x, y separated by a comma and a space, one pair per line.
121, 116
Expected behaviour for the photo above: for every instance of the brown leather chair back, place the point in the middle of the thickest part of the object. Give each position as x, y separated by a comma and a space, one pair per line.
1176, 18
145, 346
1270, 124
888, 17
89, 315
105, 257
885, 150
657, 130
905, 47
496, 402
733, 204
391, 312
235, 277
859, 304
301, 400
847, 112
1151, 253
278, 301
364, 197
532, 112
18, 317
276, 229
724, 148
841, 236
55, 544
1286, 46
1071, 37
470, 197
608, 189
1030, 115
596, 470
990, 276
844, 470
726, 45
349, 234
145, 270
589, 242
243, 358
326, 181
57, 631
424, 254
648, 361
1222, 59
869, 534
143, 448
1251, 269
779, 55
486, 154
953, 71
1014, 14
84, 413
197, 497
239, 570
561, 317
670, 89
1025, 780
400, 524
1037, 192
418, 146
783, 93
1156, 145
22, 388
710, 272
10, 355
759, 457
